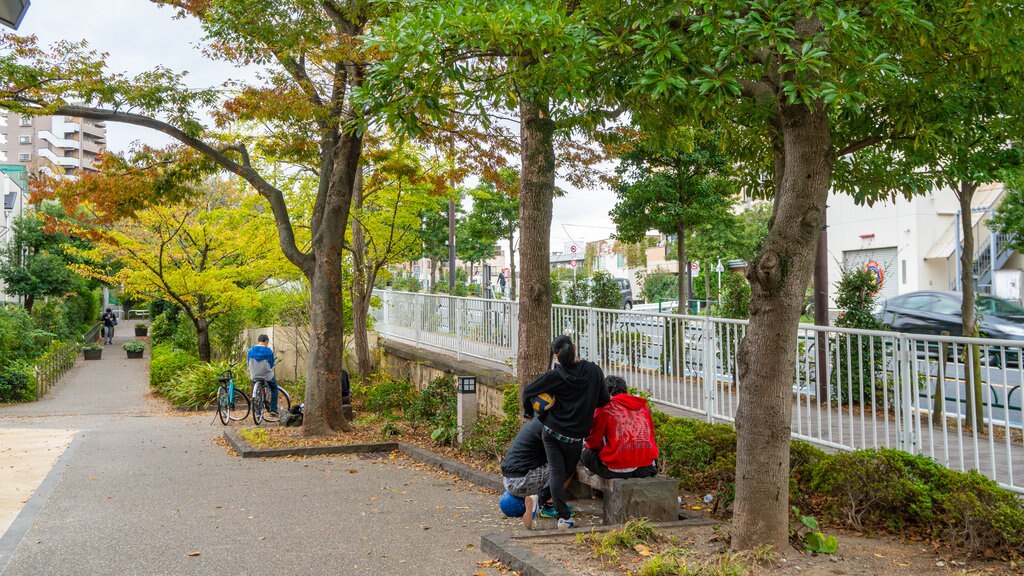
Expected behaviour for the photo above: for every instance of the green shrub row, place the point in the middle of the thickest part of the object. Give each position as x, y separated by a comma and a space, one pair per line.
884, 490
17, 383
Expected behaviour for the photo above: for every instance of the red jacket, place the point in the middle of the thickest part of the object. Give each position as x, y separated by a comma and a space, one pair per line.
623, 433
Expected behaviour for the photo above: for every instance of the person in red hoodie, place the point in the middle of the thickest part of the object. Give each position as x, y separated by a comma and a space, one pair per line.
621, 442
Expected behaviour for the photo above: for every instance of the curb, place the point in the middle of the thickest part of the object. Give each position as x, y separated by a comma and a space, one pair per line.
246, 451
508, 550
483, 479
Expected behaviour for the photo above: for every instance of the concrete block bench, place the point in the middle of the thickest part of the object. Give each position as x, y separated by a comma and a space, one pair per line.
656, 499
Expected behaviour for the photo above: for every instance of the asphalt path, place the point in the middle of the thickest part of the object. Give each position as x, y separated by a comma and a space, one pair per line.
146, 490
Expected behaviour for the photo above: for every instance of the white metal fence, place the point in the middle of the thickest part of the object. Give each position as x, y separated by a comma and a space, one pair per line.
873, 389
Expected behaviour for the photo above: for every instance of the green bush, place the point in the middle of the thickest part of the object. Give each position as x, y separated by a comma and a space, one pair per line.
162, 329
387, 396
166, 363
605, 291
660, 285
899, 492
435, 406
185, 337
491, 436
17, 383
196, 385
19, 338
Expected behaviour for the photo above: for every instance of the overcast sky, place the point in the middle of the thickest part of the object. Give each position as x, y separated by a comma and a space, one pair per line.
138, 35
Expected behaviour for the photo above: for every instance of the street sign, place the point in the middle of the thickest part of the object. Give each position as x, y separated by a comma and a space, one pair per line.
695, 268
719, 268
572, 248
572, 263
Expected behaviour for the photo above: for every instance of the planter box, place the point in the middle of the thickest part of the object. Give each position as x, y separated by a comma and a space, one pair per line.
135, 354
141, 330
93, 354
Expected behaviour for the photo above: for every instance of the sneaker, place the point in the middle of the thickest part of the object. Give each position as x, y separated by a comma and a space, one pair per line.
548, 510
566, 523
531, 512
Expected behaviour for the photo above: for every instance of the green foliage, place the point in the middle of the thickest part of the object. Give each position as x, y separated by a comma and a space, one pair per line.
92, 346
491, 436
19, 338
814, 540
163, 327
435, 407
167, 362
195, 385
660, 286
899, 492
390, 397
605, 291
856, 292
735, 300
134, 346
1009, 216
405, 283
577, 291
17, 383
185, 336
225, 333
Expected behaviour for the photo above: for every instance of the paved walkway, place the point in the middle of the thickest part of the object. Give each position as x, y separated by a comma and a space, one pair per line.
145, 490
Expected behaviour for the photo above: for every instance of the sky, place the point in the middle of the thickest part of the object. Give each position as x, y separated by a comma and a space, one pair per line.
138, 35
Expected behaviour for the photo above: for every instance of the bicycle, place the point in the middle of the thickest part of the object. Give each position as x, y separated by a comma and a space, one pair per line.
231, 400
261, 402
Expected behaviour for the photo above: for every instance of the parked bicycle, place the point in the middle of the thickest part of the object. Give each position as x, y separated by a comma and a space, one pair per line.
232, 403
261, 395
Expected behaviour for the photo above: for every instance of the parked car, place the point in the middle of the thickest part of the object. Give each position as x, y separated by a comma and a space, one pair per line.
935, 312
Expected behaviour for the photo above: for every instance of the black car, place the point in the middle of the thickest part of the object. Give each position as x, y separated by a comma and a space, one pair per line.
935, 312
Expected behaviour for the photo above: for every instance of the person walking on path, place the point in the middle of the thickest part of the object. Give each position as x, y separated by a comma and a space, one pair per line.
501, 282
621, 442
109, 321
261, 366
578, 389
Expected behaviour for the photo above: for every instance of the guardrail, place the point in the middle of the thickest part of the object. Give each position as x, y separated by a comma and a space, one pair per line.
868, 389
52, 366
92, 334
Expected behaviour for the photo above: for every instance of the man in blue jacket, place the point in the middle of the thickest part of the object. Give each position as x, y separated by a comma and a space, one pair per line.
261, 367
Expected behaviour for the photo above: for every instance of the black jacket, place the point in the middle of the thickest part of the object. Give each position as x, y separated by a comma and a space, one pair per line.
526, 451
577, 391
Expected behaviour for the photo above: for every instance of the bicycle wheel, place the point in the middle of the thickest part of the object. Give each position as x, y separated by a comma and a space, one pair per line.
284, 404
222, 405
239, 409
257, 403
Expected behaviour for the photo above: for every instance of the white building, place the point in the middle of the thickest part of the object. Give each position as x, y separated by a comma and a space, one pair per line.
14, 197
912, 244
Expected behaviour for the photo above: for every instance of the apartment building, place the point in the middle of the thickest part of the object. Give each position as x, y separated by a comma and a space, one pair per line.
54, 145
14, 195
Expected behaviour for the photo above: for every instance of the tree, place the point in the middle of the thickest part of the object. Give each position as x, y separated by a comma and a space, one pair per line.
433, 235
496, 206
799, 85
36, 261
300, 115
1009, 217
209, 255
469, 59
390, 195
676, 183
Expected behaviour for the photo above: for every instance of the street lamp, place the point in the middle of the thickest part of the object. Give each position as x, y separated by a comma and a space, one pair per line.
12, 11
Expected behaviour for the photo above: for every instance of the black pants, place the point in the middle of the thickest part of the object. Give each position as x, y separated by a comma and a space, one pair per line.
591, 461
562, 460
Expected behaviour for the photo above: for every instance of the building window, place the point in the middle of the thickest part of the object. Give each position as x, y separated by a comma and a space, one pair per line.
25, 121
24, 139
24, 156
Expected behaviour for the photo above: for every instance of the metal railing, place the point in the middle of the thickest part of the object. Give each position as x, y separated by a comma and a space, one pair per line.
52, 366
875, 389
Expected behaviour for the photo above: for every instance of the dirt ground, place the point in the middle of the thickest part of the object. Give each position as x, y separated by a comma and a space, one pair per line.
703, 545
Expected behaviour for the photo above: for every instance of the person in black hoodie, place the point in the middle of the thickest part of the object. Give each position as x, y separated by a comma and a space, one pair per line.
578, 388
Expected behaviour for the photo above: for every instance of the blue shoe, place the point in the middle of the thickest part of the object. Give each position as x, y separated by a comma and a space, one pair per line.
566, 523
531, 512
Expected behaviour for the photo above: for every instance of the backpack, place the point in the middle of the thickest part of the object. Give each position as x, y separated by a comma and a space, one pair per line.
293, 417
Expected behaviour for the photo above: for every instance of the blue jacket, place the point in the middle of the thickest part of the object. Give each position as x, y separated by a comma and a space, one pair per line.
261, 363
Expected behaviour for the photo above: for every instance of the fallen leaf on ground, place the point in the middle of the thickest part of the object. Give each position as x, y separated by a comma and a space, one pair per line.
193, 553
642, 550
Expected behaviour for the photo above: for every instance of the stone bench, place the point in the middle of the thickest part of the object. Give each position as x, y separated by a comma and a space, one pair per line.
656, 499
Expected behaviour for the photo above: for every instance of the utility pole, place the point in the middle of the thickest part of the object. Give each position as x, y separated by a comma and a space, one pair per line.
821, 305
451, 246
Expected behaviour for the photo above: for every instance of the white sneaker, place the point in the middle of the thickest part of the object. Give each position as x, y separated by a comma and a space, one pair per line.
566, 523
531, 511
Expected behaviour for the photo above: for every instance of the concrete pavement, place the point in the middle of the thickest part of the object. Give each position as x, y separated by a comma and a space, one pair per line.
145, 490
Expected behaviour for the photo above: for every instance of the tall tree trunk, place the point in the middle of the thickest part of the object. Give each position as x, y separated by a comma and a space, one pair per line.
323, 413
683, 278
30, 301
512, 276
536, 191
362, 285
779, 277
969, 327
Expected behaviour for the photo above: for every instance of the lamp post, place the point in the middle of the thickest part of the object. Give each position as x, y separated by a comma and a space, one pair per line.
12, 11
